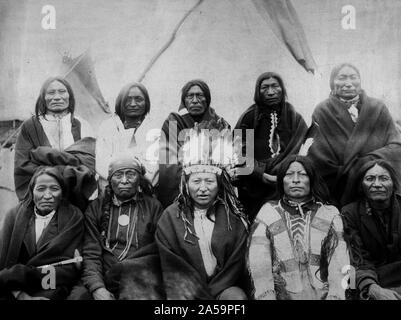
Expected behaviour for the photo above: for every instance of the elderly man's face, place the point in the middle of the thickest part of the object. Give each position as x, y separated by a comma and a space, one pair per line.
347, 83
135, 104
195, 101
47, 194
124, 183
57, 97
203, 188
271, 91
377, 184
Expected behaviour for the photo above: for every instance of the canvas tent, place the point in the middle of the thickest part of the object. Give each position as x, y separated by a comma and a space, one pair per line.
228, 43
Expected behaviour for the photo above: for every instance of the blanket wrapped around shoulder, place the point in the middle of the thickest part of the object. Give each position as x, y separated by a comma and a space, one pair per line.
58, 242
184, 274
138, 277
76, 163
341, 147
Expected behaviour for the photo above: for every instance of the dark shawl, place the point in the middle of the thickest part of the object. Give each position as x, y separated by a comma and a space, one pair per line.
184, 273
138, 276
76, 163
170, 171
292, 130
376, 257
341, 147
19, 254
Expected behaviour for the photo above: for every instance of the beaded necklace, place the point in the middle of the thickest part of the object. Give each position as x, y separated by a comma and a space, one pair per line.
274, 139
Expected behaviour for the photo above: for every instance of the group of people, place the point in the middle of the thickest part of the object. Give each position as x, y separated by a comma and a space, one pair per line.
119, 218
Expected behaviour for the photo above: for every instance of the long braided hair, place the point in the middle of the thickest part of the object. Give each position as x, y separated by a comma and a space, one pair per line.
226, 196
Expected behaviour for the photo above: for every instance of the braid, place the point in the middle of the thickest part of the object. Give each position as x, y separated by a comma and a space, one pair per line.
231, 201
106, 209
185, 205
329, 244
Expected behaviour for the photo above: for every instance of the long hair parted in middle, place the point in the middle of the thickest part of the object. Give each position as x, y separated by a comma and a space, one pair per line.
225, 195
318, 188
122, 99
267, 75
50, 171
369, 165
40, 107
196, 82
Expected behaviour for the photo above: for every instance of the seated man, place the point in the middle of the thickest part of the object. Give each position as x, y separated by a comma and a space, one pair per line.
296, 250
43, 229
120, 255
372, 229
202, 236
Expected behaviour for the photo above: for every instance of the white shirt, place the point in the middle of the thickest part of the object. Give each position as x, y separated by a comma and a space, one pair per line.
113, 139
204, 229
58, 130
41, 223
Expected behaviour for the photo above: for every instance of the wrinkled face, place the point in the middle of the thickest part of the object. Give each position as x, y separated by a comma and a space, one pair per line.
57, 97
377, 184
195, 101
47, 194
347, 83
271, 91
135, 105
296, 182
124, 183
203, 188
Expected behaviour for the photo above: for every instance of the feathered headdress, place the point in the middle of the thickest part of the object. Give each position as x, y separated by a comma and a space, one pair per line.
207, 149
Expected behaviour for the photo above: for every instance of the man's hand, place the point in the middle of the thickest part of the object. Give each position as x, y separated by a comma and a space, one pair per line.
378, 293
102, 294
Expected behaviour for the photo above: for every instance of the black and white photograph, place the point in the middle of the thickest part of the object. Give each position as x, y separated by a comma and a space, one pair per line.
200, 150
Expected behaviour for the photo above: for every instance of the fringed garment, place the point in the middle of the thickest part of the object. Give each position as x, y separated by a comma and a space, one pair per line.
297, 255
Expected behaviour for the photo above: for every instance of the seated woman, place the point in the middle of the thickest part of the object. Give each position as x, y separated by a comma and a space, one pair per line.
202, 236
125, 131
42, 230
120, 255
54, 136
372, 229
296, 250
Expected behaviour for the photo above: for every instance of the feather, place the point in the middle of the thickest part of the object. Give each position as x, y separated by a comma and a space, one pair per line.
303, 151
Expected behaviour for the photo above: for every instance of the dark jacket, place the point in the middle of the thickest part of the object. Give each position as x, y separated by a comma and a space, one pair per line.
184, 274
98, 259
375, 254
342, 146
20, 254
292, 131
